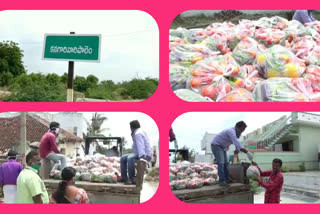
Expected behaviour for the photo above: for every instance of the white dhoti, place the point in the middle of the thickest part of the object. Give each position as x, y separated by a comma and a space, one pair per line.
10, 194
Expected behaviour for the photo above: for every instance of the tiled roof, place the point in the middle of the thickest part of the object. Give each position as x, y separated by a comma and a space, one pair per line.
9, 133
36, 128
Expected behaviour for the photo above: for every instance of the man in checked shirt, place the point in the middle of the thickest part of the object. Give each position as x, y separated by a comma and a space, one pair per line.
274, 185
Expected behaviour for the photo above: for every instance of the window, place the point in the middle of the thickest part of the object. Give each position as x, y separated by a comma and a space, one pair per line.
287, 146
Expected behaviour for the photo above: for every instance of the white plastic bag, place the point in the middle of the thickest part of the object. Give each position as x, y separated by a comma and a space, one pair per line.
253, 172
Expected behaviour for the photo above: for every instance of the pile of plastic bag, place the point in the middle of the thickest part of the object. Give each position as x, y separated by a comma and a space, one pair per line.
270, 60
186, 175
95, 168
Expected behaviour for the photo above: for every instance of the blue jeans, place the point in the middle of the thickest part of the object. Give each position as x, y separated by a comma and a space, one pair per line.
221, 158
127, 166
56, 158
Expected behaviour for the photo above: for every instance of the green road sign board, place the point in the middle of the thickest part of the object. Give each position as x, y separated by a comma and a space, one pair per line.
72, 47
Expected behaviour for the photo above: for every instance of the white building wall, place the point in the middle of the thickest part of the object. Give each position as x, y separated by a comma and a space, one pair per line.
206, 142
71, 149
204, 158
308, 117
68, 121
71, 121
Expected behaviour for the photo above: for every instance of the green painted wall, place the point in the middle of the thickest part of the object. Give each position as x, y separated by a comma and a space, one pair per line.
291, 160
305, 147
308, 144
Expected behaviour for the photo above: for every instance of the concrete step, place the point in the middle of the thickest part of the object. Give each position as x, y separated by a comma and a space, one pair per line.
305, 183
299, 191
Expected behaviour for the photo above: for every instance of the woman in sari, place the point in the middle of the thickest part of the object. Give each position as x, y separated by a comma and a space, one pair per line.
67, 193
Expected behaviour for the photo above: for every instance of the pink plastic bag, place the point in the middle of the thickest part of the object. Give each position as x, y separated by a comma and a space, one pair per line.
302, 47
269, 36
237, 95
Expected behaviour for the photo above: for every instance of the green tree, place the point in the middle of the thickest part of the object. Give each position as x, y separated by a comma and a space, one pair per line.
94, 128
4, 66
92, 81
11, 58
6, 79
64, 78
37, 77
80, 84
53, 79
109, 85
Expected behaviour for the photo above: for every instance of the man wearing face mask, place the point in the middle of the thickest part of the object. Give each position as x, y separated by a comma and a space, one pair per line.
49, 149
9, 173
141, 150
220, 146
30, 187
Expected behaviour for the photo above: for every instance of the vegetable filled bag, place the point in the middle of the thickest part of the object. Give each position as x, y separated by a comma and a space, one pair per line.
283, 90
278, 61
178, 76
246, 51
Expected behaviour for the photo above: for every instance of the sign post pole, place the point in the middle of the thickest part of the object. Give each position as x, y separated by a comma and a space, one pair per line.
72, 48
70, 79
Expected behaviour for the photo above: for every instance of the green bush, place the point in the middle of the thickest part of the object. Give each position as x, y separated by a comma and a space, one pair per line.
284, 169
92, 81
139, 89
64, 78
99, 92
302, 167
6, 79
53, 79
134, 89
36, 88
80, 84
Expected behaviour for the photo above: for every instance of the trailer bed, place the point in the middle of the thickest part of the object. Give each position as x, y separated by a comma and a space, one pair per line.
100, 193
236, 193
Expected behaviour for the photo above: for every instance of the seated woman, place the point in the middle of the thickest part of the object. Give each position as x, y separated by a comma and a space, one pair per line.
67, 193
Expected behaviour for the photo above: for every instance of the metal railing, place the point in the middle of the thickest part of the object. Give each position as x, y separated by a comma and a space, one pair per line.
272, 132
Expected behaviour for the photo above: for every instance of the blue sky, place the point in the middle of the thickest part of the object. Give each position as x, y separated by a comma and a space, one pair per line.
129, 46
